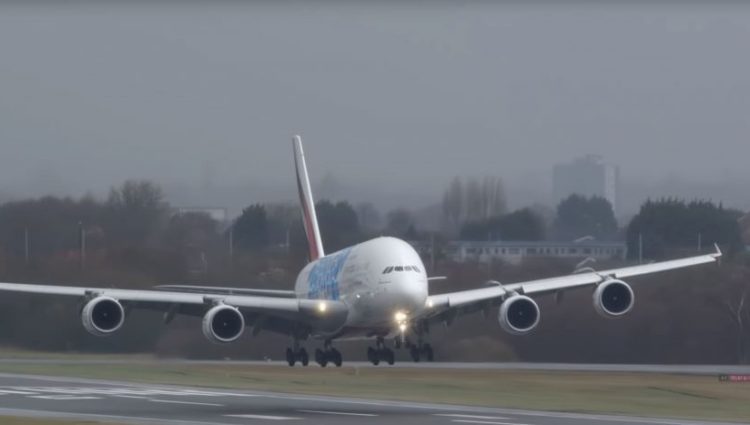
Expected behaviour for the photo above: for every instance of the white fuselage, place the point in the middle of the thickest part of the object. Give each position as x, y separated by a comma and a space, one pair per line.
377, 280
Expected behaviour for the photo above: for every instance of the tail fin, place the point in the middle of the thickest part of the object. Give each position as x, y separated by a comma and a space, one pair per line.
314, 243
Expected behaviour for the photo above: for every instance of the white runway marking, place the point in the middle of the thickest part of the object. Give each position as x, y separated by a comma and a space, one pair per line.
467, 421
328, 412
457, 415
62, 397
155, 400
264, 417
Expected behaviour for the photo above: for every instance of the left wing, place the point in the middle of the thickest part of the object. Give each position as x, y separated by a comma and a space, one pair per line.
496, 294
281, 314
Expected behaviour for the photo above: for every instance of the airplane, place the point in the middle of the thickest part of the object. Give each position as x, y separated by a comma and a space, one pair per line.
376, 290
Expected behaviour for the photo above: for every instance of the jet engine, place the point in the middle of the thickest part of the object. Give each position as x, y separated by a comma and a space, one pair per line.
613, 298
223, 324
518, 315
102, 316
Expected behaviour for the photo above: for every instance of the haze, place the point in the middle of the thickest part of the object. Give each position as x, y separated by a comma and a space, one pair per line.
392, 99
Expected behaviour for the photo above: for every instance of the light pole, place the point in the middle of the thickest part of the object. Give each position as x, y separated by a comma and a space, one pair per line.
82, 235
26, 245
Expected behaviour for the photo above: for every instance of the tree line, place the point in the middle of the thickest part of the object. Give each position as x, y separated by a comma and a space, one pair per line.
135, 239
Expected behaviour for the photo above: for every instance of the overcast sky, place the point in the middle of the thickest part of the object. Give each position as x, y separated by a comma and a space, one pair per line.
387, 94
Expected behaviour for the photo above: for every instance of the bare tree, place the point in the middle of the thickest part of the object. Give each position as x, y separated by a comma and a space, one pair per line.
492, 197
737, 308
369, 216
453, 203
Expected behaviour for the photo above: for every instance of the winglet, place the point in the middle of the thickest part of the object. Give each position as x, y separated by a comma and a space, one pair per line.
717, 251
309, 218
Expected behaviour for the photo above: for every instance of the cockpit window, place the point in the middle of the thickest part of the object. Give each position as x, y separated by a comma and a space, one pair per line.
416, 269
387, 270
399, 269
407, 268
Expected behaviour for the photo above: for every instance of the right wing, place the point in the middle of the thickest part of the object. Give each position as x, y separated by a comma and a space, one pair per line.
474, 299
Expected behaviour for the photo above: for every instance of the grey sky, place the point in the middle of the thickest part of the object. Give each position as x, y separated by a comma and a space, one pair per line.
384, 94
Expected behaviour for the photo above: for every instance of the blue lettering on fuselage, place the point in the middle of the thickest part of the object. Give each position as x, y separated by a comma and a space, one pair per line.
323, 278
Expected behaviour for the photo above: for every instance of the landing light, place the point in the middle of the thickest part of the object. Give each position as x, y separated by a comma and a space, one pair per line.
322, 307
430, 304
402, 327
400, 316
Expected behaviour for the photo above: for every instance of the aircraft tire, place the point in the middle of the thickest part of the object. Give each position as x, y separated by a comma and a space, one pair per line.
389, 356
414, 352
336, 357
372, 356
303, 357
320, 358
428, 353
290, 358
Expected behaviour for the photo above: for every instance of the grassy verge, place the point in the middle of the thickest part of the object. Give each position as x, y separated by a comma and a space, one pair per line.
644, 394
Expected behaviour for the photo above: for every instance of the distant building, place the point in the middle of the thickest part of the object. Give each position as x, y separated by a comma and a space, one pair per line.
515, 251
217, 213
744, 222
587, 176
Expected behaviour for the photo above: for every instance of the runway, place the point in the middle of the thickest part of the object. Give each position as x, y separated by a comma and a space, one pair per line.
128, 403
566, 367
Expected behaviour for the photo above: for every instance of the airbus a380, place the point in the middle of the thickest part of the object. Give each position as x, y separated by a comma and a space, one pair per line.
376, 290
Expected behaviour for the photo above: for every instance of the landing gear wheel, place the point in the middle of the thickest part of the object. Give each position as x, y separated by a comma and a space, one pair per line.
290, 358
335, 357
321, 358
388, 356
372, 356
303, 357
428, 354
414, 352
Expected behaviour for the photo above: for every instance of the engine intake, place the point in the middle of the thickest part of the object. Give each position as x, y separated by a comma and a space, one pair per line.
518, 315
223, 324
613, 298
102, 316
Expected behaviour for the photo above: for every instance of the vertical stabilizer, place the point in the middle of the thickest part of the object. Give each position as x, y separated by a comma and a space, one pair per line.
310, 220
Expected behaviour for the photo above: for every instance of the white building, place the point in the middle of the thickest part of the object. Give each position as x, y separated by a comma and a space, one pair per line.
587, 176
515, 252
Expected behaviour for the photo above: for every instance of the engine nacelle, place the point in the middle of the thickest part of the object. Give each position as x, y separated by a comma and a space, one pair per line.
102, 316
518, 315
613, 298
223, 324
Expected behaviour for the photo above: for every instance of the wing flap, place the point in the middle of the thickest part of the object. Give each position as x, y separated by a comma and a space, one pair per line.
221, 290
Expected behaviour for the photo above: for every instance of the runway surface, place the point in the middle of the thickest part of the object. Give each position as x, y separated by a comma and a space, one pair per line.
128, 403
568, 367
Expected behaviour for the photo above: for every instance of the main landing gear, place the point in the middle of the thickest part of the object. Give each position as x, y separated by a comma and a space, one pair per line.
297, 354
380, 353
421, 351
328, 355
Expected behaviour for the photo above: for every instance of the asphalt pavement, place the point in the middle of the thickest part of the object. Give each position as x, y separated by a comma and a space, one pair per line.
129, 403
